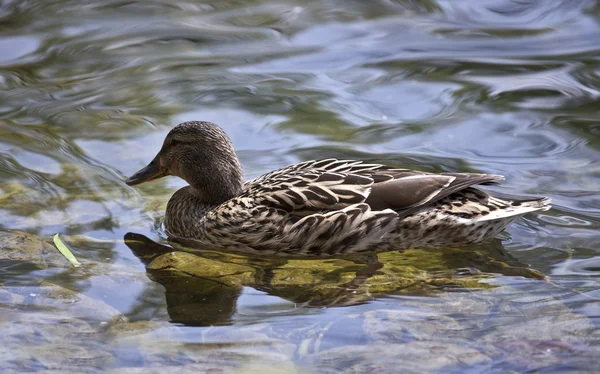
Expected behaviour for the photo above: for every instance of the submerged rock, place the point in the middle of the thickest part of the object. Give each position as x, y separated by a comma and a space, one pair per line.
414, 357
46, 340
145, 347
202, 286
517, 329
63, 302
199, 291
18, 247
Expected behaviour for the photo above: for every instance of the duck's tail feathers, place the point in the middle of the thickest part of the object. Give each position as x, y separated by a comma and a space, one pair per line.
510, 208
537, 204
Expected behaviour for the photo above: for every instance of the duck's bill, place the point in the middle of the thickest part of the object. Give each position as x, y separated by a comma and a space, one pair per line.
150, 172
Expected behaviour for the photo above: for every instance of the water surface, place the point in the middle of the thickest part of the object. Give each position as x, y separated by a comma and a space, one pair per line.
88, 90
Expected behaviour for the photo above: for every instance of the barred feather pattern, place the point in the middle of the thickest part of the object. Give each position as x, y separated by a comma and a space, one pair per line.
337, 207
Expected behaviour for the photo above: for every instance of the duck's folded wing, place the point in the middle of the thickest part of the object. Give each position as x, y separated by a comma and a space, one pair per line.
405, 190
335, 184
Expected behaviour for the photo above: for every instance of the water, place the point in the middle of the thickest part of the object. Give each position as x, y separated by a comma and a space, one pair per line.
90, 89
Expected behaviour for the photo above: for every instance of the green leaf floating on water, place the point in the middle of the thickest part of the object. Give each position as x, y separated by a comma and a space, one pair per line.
65, 251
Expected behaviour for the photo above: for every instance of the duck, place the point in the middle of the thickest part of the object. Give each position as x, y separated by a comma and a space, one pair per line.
320, 208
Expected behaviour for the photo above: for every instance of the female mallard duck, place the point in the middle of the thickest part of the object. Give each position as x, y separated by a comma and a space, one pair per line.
320, 208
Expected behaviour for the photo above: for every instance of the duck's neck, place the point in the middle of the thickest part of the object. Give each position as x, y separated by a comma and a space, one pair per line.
189, 205
216, 193
185, 213
214, 179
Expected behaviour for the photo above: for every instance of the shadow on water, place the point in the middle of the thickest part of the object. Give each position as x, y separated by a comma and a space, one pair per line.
202, 286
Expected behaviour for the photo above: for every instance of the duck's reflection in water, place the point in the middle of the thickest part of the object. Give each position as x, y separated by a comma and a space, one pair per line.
202, 287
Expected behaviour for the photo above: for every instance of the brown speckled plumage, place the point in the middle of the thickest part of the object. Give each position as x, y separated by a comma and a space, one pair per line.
320, 208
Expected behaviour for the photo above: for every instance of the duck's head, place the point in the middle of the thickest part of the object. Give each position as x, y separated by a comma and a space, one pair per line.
201, 154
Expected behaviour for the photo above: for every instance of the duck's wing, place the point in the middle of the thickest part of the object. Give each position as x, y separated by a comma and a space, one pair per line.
407, 190
334, 184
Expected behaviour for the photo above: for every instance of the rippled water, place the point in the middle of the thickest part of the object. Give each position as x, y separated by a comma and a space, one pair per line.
89, 89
